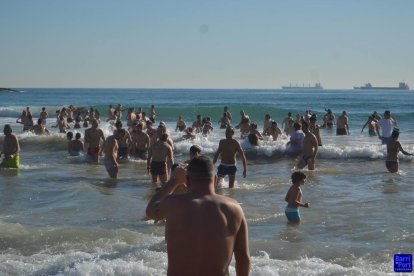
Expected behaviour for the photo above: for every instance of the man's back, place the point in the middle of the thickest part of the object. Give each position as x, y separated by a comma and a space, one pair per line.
201, 233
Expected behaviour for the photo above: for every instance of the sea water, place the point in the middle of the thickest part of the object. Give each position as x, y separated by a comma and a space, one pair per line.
60, 215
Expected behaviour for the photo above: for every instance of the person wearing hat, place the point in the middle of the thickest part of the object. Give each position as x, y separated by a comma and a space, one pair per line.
11, 149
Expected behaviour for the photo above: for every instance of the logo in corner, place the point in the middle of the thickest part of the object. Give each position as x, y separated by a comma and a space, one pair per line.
403, 263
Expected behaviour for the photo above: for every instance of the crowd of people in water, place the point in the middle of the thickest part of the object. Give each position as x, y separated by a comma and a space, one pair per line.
187, 190
142, 139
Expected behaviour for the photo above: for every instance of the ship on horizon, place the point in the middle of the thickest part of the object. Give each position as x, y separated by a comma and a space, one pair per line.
368, 86
317, 86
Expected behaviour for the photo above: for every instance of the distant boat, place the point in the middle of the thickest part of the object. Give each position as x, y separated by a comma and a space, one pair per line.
368, 86
7, 90
317, 86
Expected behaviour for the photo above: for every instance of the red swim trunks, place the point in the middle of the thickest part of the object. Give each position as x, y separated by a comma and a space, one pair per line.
93, 150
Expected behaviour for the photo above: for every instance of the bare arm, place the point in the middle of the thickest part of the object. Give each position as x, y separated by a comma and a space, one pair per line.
158, 205
149, 159
241, 152
402, 150
217, 154
315, 146
241, 249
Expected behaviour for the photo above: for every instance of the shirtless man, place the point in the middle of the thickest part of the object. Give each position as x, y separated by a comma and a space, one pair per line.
152, 114
151, 131
286, 123
11, 149
393, 147
181, 125
310, 149
244, 127
111, 111
315, 129
273, 131
93, 136
140, 143
119, 110
198, 124
124, 140
26, 119
40, 129
227, 149
328, 119
342, 124
224, 121
227, 112
267, 122
203, 229
110, 149
254, 135
43, 116
371, 123
158, 156
207, 127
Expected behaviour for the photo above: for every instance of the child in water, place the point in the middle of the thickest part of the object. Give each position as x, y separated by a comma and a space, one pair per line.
294, 198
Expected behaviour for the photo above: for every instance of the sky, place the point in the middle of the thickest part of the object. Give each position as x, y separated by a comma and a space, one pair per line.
205, 44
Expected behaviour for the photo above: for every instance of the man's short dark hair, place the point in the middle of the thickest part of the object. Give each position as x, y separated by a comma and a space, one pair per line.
201, 167
298, 176
297, 125
195, 149
164, 137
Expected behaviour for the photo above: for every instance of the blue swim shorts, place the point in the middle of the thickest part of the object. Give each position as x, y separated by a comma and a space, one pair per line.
225, 169
292, 213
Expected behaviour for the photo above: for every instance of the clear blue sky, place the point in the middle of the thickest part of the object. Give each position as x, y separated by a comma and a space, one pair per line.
205, 44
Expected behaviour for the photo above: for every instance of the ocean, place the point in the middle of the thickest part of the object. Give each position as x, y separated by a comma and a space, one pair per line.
60, 215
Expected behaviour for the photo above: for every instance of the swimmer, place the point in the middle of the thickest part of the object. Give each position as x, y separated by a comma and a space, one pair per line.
140, 143
76, 146
181, 125
286, 123
227, 150
254, 135
296, 141
159, 155
342, 124
273, 131
110, 149
294, 198
43, 116
310, 149
124, 140
386, 125
93, 136
11, 149
393, 147
40, 129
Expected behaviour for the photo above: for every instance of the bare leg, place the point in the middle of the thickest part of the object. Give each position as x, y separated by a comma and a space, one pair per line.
163, 178
311, 164
231, 181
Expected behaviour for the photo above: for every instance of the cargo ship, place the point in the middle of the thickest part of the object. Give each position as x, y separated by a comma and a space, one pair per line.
368, 86
7, 90
317, 86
